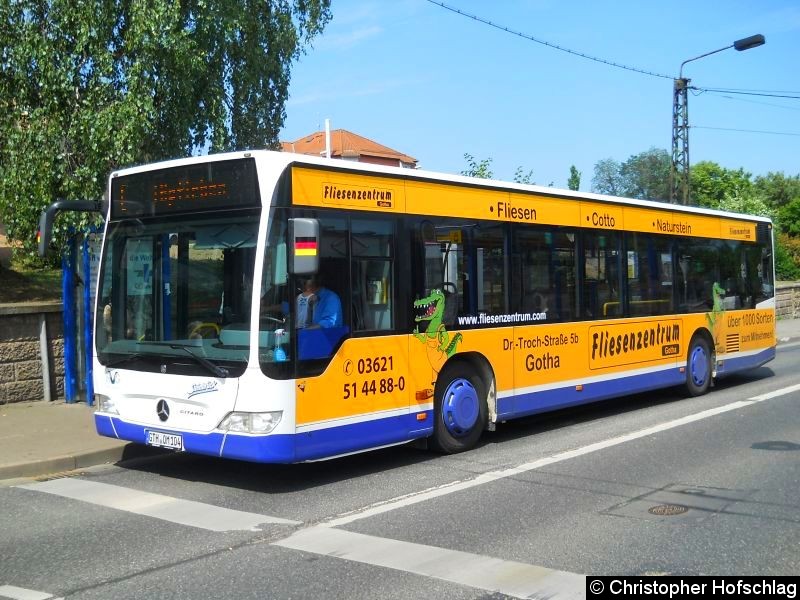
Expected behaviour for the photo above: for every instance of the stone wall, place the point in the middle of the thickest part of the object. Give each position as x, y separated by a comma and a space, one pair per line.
787, 300
21, 374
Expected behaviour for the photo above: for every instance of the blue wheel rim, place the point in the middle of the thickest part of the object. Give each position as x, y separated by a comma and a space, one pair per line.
460, 407
698, 366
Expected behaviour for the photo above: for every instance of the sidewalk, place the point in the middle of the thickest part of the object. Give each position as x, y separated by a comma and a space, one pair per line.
39, 438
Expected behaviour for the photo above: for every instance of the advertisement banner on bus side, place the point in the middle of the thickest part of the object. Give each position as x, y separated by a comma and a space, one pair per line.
632, 342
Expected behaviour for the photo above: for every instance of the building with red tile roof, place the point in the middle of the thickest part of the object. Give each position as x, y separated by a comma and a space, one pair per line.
347, 145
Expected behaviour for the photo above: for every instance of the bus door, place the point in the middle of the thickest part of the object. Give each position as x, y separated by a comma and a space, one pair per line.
439, 296
444, 272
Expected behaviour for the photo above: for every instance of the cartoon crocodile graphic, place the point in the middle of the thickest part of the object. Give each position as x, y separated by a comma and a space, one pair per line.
435, 336
717, 310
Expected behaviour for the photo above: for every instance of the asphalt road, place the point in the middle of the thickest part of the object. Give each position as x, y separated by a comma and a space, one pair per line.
649, 484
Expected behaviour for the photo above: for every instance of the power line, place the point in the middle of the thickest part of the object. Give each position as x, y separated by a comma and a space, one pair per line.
763, 91
747, 130
752, 101
548, 44
743, 93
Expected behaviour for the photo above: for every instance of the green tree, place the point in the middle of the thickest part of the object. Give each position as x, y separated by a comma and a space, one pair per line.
789, 218
87, 86
646, 175
521, 176
574, 181
481, 169
607, 179
777, 189
711, 185
787, 257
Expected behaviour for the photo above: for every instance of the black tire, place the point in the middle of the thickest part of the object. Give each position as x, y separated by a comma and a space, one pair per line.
460, 411
698, 367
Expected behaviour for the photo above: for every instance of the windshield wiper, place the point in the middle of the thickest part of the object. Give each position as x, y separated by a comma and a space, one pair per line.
123, 359
214, 369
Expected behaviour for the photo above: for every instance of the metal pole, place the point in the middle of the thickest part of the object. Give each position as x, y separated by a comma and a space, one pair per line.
679, 171
327, 138
44, 353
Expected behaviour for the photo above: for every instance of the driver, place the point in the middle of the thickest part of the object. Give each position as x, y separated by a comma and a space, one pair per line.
316, 306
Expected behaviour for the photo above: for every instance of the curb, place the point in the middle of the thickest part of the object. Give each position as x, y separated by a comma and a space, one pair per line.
60, 464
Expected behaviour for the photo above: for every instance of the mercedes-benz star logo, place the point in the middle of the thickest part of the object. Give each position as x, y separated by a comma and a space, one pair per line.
162, 410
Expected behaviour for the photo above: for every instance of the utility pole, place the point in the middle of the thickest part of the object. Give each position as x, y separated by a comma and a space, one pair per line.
679, 171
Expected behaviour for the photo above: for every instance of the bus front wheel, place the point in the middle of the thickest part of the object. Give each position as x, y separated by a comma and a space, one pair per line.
698, 367
460, 411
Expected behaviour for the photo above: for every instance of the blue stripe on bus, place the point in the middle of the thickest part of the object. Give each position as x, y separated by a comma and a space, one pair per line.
521, 405
282, 448
742, 363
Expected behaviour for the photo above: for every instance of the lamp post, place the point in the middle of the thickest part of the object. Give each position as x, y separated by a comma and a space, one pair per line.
679, 172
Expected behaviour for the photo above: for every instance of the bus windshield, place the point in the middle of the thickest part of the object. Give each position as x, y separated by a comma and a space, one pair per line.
175, 293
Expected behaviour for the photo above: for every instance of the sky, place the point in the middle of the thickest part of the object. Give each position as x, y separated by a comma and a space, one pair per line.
434, 84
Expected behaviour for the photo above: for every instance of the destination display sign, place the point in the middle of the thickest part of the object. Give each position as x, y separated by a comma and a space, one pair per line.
188, 188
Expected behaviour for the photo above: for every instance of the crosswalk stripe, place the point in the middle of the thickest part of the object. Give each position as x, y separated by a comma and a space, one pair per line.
517, 579
166, 508
17, 593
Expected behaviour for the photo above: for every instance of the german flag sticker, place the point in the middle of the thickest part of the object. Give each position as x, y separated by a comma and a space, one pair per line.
305, 246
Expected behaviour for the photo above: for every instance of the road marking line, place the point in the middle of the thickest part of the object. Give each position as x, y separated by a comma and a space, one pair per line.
474, 570
776, 393
783, 346
166, 508
18, 593
491, 476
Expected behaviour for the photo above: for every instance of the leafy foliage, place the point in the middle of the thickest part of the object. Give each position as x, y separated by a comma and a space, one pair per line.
787, 257
711, 185
779, 189
607, 178
87, 86
789, 218
481, 170
574, 181
644, 175
521, 176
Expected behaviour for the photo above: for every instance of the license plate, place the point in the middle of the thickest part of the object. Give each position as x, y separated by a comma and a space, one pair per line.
165, 440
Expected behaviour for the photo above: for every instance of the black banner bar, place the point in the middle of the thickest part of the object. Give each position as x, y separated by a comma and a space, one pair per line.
676, 588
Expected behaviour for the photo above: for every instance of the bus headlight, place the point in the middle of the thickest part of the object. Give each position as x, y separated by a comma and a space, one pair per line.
243, 422
105, 404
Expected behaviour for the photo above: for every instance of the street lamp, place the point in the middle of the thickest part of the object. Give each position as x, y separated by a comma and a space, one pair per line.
679, 172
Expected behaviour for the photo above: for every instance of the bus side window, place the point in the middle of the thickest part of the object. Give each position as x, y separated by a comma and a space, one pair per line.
649, 274
373, 273
542, 276
601, 275
698, 261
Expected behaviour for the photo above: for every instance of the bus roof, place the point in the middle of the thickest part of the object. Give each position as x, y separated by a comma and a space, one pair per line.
279, 161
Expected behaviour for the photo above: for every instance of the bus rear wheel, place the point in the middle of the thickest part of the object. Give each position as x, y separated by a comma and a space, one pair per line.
698, 367
460, 411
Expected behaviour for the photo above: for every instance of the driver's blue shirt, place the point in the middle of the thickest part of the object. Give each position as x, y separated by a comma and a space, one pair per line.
327, 309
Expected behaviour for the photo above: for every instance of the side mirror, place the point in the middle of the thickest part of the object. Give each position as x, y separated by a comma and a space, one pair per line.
303, 246
49, 214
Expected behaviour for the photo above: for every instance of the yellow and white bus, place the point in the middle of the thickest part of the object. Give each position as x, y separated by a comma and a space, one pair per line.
462, 303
